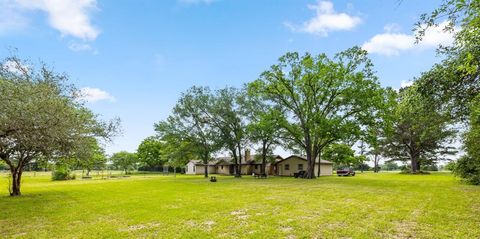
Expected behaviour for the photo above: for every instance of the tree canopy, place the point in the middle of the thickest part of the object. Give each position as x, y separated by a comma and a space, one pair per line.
322, 100
41, 116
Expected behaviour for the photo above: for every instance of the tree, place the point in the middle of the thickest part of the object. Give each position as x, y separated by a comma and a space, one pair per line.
262, 128
380, 127
191, 121
177, 151
41, 117
390, 166
454, 83
321, 100
420, 133
124, 160
90, 155
468, 166
229, 117
341, 154
149, 153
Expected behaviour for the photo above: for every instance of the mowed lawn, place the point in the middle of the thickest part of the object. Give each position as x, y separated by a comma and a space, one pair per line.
385, 205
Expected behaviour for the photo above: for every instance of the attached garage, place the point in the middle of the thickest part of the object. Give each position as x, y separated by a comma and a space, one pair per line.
296, 163
197, 167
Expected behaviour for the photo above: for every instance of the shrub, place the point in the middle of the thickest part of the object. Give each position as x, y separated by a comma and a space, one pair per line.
450, 166
468, 168
62, 173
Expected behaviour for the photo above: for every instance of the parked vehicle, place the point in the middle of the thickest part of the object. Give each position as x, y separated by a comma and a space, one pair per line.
300, 174
345, 172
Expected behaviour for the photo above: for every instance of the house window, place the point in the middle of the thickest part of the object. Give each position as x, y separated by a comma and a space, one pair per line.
186, 169
256, 166
222, 167
287, 166
300, 167
194, 168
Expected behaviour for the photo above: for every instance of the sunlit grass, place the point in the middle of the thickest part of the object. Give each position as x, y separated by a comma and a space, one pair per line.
386, 205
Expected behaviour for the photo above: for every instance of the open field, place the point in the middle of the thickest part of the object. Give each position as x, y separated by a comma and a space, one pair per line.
385, 205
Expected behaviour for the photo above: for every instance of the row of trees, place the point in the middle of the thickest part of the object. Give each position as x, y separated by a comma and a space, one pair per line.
452, 86
317, 106
322, 107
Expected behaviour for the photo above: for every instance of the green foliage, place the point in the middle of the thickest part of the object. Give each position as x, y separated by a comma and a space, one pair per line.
321, 100
149, 153
450, 166
228, 117
89, 155
390, 166
124, 160
341, 154
191, 121
3, 165
455, 81
62, 172
41, 117
262, 128
420, 133
468, 166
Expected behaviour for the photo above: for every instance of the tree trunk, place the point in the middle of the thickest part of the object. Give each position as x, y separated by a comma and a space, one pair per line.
414, 164
205, 170
264, 164
240, 161
375, 163
16, 179
310, 162
319, 160
88, 172
264, 158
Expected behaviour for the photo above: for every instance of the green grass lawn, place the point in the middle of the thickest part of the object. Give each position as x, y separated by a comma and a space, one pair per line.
385, 205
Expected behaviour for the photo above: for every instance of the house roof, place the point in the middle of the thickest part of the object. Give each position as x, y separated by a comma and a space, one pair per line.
227, 160
200, 163
304, 158
254, 159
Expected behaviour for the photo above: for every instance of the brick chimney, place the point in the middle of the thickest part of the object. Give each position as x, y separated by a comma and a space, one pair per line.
247, 155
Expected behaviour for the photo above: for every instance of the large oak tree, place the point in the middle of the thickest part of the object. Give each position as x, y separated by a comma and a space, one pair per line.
322, 99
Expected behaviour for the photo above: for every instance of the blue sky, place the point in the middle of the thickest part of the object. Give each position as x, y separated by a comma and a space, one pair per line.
133, 58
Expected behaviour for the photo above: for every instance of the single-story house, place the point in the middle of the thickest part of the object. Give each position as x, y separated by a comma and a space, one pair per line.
253, 163
292, 164
224, 165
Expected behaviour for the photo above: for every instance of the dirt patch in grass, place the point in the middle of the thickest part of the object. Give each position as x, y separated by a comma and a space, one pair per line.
137, 227
406, 228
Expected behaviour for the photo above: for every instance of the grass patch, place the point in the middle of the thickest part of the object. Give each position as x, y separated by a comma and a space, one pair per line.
385, 205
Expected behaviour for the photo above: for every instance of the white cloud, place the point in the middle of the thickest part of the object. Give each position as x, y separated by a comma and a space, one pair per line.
11, 17
326, 20
389, 43
393, 43
94, 94
15, 67
406, 83
82, 46
70, 17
